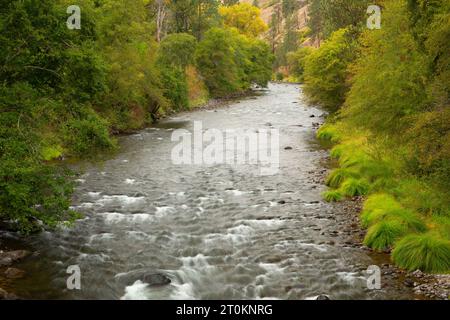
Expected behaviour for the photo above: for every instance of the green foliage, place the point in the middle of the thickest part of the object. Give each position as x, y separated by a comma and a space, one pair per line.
296, 62
129, 51
216, 62
406, 216
176, 53
32, 195
393, 126
422, 197
337, 151
326, 70
177, 50
86, 135
326, 16
244, 17
430, 152
329, 133
355, 187
383, 234
175, 87
50, 153
427, 252
332, 195
192, 16
338, 176
231, 62
62, 92
389, 80
260, 62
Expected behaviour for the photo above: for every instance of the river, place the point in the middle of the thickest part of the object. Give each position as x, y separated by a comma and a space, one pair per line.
215, 231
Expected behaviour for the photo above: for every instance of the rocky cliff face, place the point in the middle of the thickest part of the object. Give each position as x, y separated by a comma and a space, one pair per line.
283, 16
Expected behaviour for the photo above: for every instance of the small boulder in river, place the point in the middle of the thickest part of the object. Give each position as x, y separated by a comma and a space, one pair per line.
9, 257
156, 279
288, 148
322, 297
4, 295
14, 273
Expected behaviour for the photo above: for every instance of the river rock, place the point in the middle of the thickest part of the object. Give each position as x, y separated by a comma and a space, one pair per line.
156, 279
322, 297
288, 148
14, 273
4, 295
9, 257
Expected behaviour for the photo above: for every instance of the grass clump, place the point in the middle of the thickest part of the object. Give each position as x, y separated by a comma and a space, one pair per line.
337, 177
428, 252
329, 133
380, 201
332, 196
353, 159
406, 216
383, 234
355, 187
337, 151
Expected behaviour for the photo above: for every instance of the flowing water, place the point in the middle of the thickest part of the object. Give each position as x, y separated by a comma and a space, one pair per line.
217, 232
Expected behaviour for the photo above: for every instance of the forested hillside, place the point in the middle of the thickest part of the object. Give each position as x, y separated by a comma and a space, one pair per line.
65, 91
388, 91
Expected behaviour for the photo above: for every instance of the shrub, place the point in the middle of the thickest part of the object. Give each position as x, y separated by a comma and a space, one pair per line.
244, 17
230, 62
85, 135
175, 87
33, 195
329, 133
389, 76
427, 252
337, 177
216, 62
337, 151
355, 187
326, 70
177, 49
296, 62
408, 217
383, 234
332, 195
376, 204
422, 197
197, 91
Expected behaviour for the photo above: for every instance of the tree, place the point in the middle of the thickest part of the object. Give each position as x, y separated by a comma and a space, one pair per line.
327, 16
175, 53
244, 17
215, 60
296, 62
177, 49
230, 62
161, 12
326, 70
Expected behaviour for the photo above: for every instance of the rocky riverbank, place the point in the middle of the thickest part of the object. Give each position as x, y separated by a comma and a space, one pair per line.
425, 286
9, 273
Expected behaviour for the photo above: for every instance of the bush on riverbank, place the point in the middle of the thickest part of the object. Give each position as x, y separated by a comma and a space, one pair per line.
230, 62
392, 131
326, 69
